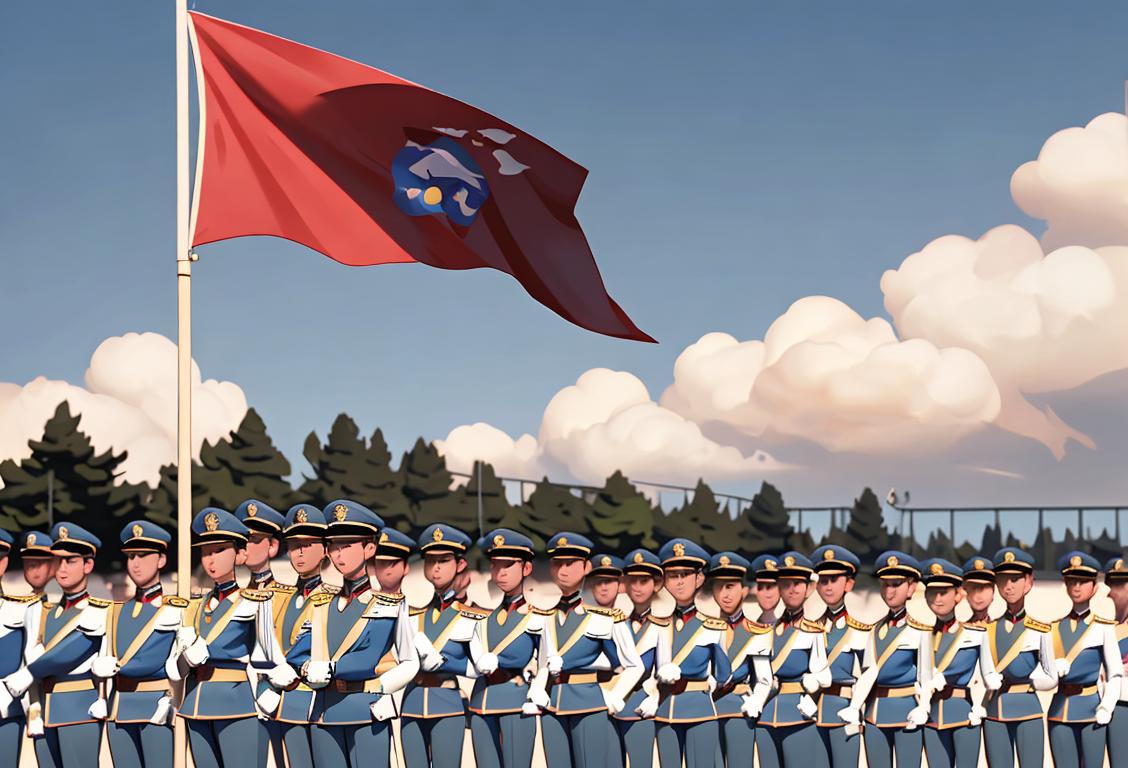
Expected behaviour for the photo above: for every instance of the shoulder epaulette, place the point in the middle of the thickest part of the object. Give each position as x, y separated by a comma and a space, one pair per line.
20, 598
756, 627
415, 611
659, 621
320, 598
855, 624
806, 625
1103, 620
256, 595
979, 626
174, 601
388, 598
1037, 626
712, 622
920, 625
473, 612
98, 602
542, 611
613, 613
283, 588
331, 589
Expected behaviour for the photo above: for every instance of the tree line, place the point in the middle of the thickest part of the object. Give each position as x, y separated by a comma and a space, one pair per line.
86, 487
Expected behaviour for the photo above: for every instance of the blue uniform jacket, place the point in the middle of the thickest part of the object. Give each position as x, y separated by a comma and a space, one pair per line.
291, 612
13, 639
697, 647
513, 637
846, 642
797, 650
450, 632
956, 654
646, 635
1089, 645
897, 662
69, 639
141, 636
1023, 654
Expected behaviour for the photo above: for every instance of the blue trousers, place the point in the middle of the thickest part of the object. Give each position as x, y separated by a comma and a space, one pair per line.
883, 744
503, 741
957, 747
790, 745
296, 750
1001, 739
575, 741
738, 742
696, 743
11, 738
140, 745
841, 751
227, 743
1078, 745
69, 746
433, 742
636, 742
1118, 735
351, 746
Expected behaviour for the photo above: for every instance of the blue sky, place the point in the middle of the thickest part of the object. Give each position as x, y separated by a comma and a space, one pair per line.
741, 156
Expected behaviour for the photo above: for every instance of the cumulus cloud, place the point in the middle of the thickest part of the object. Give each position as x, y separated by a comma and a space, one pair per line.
605, 422
825, 374
1079, 184
128, 404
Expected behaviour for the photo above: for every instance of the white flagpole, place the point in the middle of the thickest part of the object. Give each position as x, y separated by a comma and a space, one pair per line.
183, 346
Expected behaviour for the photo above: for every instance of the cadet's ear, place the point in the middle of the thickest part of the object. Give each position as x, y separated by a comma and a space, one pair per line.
744, 592
587, 567
240, 555
162, 561
273, 548
87, 565
460, 565
369, 549
850, 583
699, 579
527, 569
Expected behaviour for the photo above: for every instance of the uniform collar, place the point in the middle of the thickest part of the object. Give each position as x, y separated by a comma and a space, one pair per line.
686, 613
152, 594
71, 600
307, 586
1015, 618
735, 618
568, 602
895, 618
262, 578
445, 600
1081, 615
943, 624
834, 614
790, 617
222, 591
509, 602
640, 616
356, 587
767, 617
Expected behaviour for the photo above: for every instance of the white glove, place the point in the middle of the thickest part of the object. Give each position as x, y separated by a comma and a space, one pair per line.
35, 727
319, 673
614, 705
807, 707
97, 710
430, 661
185, 636
939, 682
538, 699
105, 666
648, 708
750, 708
268, 702
850, 715
668, 673
282, 676
384, 708
487, 663
1062, 667
530, 709
1104, 716
18, 682
918, 716
992, 681
197, 653
975, 717
555, 664
163, 713
811, 683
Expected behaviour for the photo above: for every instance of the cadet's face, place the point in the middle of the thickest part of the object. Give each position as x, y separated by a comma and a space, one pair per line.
729, 595
794, 592
261, 548
1118, 592
144, 568
38, 571
767, 595
508, 573
641, 588
71, 572
1080, 590
1014, 586
568, 573
604, 589
896, 592
3, 563
441, 568
942, 600
349, 555
389, 574
832, 587
683, 584
306, 555
219, 560
979, 596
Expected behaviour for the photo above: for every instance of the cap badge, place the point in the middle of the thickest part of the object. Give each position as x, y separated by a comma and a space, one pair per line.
301, 516
252, 510
499, 540
1008, 557
137, 531
1075, 561
724, 560
979, 565
64, 533
340, 512
211, 521
770, 565
828, 555
892, 561
604, 561
31, 540
679, 550
437, 535
1118, 565
384, 537
789, 561
936, 569
638, 558
562, 541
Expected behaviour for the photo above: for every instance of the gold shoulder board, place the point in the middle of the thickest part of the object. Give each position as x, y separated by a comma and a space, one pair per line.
756, 627
976, 625
412, 611
20, 598
174, 601
661, 621
1037, 626
256, 595
711, 622
331, 589
320, 598
919, 625
1103, 620
388, 598
543, 611
283, 588
806, 625
98, 602
855, 624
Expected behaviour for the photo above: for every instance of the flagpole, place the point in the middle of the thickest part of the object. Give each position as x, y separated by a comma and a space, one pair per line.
183, 347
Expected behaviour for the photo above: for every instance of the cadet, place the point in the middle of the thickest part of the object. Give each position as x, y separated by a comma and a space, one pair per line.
1116, 577
13, 638
767, 588
389, 567
691, 657
68, 637
507, 641
979, 588
265, 526
1083, 645
581, 646
846, 642
738, 718
604, 580
642, 578
138, 654
897, 670
1023, 654
223, 629
434, 714
787, 734
346, 638
39, 565
953, 731
291, 607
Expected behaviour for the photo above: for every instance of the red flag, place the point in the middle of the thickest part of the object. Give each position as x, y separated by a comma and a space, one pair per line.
367, 168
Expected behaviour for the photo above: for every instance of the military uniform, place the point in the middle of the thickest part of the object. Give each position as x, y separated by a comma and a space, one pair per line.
34, 545
137, 658
692, 661
224, 630
1022, 652
799, 666
1116, 571
434, 713
737, 728
952, 735
581, 647
260, 517
339, 653
766, 568
846, 643
13, 638
502, 734
68, 636
893, 691
1084, 646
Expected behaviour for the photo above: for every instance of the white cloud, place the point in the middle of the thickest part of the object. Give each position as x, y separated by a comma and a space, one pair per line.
128, 404
1079, 184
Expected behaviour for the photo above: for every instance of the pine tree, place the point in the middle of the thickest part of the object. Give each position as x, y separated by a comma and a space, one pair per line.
765, 526
425, 482
551, 509
702, 520
622, 518
495, 507
865, 534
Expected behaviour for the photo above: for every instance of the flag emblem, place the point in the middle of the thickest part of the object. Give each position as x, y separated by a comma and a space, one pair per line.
439, 179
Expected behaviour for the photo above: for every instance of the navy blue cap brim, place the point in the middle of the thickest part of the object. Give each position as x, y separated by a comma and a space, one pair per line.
443, 546
835, 566
217, 537
570, 551
943, 580
305, 531
68, 547
898, 572
144, 544
510, 551
730, 572
259, 525
646, 569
